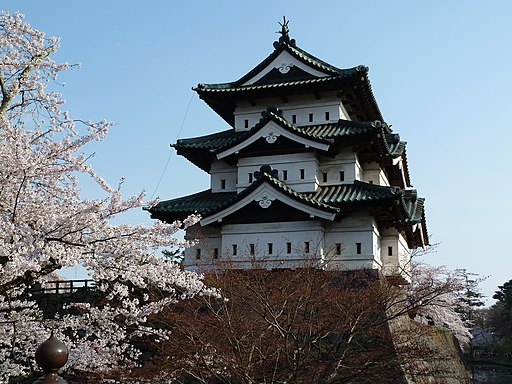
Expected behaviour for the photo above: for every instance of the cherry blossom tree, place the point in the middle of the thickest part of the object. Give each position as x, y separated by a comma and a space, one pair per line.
46, 225
440, 297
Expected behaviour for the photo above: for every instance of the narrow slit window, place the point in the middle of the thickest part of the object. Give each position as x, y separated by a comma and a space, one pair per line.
324, 177
306, 247
338, 248
252, 249
294, 119
250, 177
390, 251
288, 247
302, 173
215, 253
310, 117
285, 174
342, 175
246, 123
223, 184
358, 248
270, 248
327, 116
234, 249
198, 253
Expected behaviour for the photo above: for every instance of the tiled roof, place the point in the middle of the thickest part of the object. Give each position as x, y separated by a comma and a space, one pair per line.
233, 87
222, 97
388, 145
298, 53
202, 203
353, 193
225, 139
213, 142
329, 198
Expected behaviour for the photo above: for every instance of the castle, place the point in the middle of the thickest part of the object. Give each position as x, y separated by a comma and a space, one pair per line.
306, 170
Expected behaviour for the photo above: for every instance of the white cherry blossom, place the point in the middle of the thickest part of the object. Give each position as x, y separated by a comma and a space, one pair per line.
45, 224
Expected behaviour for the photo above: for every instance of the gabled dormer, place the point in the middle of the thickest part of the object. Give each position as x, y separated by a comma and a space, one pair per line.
292, 78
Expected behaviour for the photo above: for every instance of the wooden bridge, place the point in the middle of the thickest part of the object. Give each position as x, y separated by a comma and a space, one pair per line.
63, 286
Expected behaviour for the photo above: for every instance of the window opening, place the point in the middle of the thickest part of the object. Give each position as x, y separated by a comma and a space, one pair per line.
342, 175
288, 247
302, 173
310, 117
306, 246
215, 253
324, 177
326, 115
250, 177
390, 251
285, 174
338, 248
294, 119
198, 253
246, 123
252, 249
358, 248
234, 249
223, 184
270, 248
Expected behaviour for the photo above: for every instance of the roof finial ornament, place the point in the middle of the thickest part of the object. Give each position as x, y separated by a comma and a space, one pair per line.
285, 37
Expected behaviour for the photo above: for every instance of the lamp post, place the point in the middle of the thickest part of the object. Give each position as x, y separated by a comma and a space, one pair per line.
51, 355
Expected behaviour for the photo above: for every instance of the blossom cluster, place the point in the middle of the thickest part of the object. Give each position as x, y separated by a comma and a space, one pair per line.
46, 225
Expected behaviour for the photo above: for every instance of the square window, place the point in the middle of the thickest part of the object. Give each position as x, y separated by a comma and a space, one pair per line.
358, 248
288, 247
234, 249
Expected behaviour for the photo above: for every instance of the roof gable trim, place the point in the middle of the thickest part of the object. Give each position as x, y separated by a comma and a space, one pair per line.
265, 195
284, 62
271, 131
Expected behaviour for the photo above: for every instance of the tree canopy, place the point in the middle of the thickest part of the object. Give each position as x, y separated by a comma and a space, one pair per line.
45, 224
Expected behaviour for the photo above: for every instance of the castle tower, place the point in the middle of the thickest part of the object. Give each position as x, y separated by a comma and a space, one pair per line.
307, 170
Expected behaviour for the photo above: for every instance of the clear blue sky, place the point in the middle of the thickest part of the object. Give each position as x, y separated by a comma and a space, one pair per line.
441, 72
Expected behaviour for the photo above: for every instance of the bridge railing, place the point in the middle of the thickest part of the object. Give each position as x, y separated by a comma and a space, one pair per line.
63, 286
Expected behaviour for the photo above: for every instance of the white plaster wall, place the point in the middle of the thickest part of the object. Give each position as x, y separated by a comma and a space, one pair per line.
346, 160
207, 240
359, 228
300, 106
222, 171
399, 261
374, 174
279, 234
322, 238
292, 163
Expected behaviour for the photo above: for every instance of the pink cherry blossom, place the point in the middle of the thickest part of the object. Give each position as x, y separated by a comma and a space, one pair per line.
45, 224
